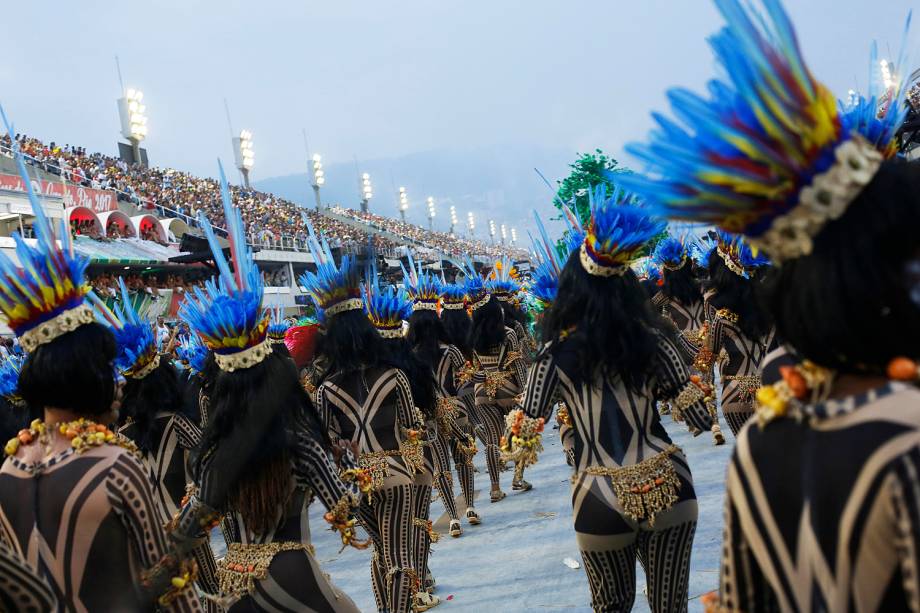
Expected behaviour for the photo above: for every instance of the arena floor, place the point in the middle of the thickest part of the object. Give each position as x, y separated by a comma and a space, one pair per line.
513, 561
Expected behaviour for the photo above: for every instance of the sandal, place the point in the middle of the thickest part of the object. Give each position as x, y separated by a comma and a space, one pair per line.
497, 495
717, 437
425, 601
455, 529
521, 486
473, 517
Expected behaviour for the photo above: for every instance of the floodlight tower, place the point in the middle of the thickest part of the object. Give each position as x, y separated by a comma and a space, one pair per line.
431, 213
513, 236
133, 115
243, 154
453, 219
367, 192
504, 234
319, 177
403, 203
492, 230
471, 223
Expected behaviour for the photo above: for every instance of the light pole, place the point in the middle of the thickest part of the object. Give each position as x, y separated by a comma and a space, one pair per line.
319, 177
367, 192
504, 234
453, 219
132, 113
470, 223
431, 213
513, 236
242, 151
403, 203
492, 231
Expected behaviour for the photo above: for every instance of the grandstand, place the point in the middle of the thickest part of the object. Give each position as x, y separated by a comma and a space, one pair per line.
138, 223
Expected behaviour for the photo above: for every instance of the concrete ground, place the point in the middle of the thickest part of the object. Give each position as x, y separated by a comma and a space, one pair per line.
513, 561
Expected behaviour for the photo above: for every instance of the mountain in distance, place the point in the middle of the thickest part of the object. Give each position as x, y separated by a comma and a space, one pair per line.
497, 182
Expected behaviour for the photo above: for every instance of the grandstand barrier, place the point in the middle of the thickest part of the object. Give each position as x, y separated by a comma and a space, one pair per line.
117, 218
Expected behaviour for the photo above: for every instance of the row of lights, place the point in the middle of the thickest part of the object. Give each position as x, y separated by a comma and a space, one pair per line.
134, 128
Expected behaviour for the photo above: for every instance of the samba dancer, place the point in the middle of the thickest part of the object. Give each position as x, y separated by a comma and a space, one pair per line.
608, 360
822, 508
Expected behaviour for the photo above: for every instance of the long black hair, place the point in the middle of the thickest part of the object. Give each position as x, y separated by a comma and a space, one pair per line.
254, 413
457, 324
738, 295
607, 322
351, 343
417, 370
513, 313
681, 284
425, 335
73, 372
488, 330
848, 305
160, 391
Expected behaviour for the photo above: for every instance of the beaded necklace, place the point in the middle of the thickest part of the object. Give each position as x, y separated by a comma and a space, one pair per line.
82, 434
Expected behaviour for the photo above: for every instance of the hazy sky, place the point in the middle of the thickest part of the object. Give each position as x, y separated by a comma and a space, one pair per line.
384, 79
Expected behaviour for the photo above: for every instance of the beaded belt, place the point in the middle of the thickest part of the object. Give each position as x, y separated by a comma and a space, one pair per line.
446, 412
747, 385
245, 564
645, 489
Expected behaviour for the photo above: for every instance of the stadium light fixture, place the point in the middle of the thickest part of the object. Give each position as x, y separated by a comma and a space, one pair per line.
492, 230
471, 222
243, 154
513, 236
367, 192
319, 176
403, 203
133, 115
453, 219
504, 233
431, 212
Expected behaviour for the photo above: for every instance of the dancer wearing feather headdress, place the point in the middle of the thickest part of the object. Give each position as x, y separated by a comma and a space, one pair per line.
388, 309
366, 399
505, 285
738, 334
499, 378
153, 416
263, 456
609, 362
822, 509
107, 551
428, 340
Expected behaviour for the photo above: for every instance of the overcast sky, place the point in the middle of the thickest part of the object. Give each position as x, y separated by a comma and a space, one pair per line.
384, 79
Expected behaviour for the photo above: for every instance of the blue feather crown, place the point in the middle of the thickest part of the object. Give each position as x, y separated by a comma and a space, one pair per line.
769, 153
228, 314
617, 232
387, 308
135, 338
42, 298
424, 287
453, 296
670, 253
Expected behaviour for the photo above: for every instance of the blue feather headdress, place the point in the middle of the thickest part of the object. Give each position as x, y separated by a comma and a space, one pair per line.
387, 308
670, 253
617, 233
769, 153
277, 325
9, 379
453, 296
193, 352
503, 280
228, 314
477, 292
135, 339
424, 286
333, 288
738, 255
42, 298
551, 258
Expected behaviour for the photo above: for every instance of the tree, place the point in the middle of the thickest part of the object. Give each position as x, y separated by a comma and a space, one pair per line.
588, 171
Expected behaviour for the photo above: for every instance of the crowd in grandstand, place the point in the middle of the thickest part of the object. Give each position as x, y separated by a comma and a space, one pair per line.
270, 220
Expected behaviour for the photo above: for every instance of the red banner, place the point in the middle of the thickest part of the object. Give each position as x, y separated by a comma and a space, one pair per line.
73, 195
